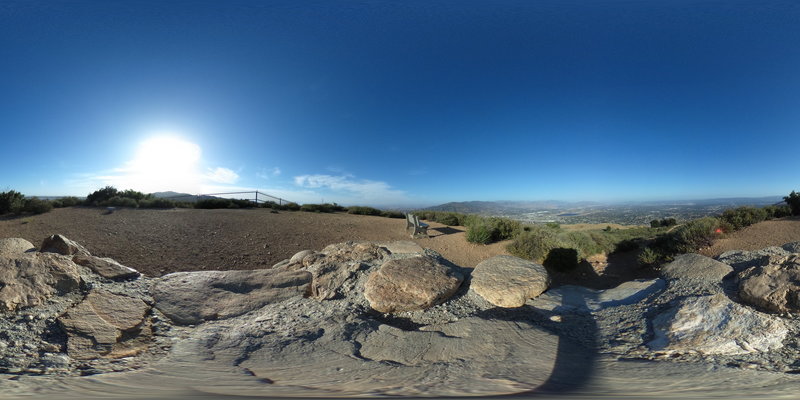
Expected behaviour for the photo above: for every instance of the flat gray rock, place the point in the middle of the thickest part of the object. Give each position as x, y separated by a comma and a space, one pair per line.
61, 245
716, 325
106, 325
696, 267
793, 247
29, 279
402, 247
570, 297
14, 246
194, 297
508, 281
409, 284
106, 267
741, 260
774, 287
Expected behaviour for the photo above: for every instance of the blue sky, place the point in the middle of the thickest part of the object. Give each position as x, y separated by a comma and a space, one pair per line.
393, 103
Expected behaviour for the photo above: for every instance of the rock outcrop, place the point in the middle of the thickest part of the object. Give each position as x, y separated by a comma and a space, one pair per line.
409, 284
774, 287
106, 267
571, 297
716, 325
193, 297
61, 245
106, 325
696, 267
741, 260
29, 279
508, 281
14, 246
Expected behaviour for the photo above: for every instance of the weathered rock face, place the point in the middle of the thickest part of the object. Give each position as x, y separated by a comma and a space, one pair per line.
741, 260
774, 287
299, 256
508, 281
329, 278
61, 245
793, 247
29, 279
194, 297
716, 325
409, 284
571, 297
696, 267
106, 325
354, 251
14, 246
106, 267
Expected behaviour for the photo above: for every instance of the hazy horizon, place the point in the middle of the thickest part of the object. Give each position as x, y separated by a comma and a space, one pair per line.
397, 103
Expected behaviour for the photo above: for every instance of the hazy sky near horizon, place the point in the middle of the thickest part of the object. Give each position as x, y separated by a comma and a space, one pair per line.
392, 103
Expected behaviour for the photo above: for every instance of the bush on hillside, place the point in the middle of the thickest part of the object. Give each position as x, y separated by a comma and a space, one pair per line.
101, 195
321, 208
793, 200
209, 204
11, 202
562, 259
36, 206
157, 203
291, 206
697, 234
744, 216
68, 201
362, 210
649, 257
664, 222
534, 244
119, 201
780, 211
392, 214
480, 233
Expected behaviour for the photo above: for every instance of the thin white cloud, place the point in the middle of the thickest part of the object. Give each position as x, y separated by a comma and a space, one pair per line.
222, 175
347, 190
267, 173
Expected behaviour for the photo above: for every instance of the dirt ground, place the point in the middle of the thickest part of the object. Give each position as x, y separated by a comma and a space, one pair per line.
758, 236
157, 242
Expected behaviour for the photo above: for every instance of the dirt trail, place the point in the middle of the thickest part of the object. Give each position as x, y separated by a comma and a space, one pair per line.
758, 236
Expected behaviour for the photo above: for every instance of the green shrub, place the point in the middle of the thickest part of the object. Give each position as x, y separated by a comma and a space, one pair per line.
505, 228
291, 206
778, 211
451, 219
626, 245
69, 201
213, 204
11, 202
697, 234
648, 256
362, 210
481, 233
118, 201
132, 194
37, 206
534, 244
665, 222
793, 200
553, 225
157, 203
744, 216
101, 195
392, 214
562, 259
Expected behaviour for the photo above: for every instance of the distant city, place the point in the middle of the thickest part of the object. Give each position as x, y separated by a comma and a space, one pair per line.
640, 213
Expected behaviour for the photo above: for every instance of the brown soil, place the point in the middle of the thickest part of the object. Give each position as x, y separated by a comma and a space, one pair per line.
157, 242
758, 236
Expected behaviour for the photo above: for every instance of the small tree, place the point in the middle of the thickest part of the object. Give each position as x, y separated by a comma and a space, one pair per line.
101, 195
793, 200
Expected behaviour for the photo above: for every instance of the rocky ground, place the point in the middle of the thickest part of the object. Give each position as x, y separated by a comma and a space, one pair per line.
391, 318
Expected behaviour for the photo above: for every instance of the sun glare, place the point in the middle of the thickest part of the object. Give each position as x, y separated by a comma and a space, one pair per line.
165, 163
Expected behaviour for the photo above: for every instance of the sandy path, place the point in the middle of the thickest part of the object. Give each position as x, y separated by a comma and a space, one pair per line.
158, 242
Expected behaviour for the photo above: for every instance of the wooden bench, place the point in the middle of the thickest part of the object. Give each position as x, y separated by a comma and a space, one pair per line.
420, 228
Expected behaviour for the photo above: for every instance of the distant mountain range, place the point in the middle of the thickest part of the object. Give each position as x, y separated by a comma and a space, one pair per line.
514, 207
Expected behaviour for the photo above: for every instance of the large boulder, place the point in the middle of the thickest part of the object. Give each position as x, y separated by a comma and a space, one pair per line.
716, 325
29, 279
194, 297
108, 325
696, 267
409, 284
13, 246
61, 245
774, 287
106, 267
741, 260
508, 281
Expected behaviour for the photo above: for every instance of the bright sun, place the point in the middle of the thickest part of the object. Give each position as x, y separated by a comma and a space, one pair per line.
165, 163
